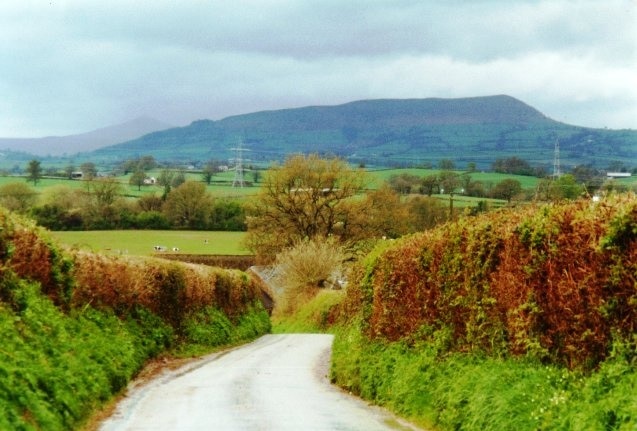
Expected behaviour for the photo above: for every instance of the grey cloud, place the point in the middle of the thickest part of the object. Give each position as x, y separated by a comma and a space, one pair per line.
309, 30
82, 64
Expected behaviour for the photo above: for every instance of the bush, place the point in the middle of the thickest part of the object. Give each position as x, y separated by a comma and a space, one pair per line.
152, 220
304, 269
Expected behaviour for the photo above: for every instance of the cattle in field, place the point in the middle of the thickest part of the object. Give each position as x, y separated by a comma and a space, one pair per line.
159, 248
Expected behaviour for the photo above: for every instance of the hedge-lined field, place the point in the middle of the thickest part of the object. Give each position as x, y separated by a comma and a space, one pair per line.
547, 293
76, 327
143, 242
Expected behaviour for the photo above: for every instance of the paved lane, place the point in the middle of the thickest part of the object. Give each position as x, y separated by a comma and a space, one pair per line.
278, 382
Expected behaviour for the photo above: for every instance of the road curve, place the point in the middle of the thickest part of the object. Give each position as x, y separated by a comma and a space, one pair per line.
278, 382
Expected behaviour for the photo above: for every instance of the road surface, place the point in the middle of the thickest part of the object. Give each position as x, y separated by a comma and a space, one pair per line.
278, 382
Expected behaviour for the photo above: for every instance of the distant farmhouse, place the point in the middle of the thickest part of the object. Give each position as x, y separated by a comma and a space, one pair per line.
618, 174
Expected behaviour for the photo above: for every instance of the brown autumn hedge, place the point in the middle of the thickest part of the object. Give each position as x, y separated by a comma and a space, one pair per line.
73, 278
556, 281
168, 289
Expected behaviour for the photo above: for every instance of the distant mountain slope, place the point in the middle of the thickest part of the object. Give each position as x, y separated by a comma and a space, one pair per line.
84, 142
389, 132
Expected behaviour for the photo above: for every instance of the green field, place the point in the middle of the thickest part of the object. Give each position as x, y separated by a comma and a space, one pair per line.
222, 186
142, 242
379, 176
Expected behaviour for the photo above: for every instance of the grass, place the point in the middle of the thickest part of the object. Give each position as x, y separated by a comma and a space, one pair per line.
222, 186
57, 367
311, 317
438, 390
142, 242
379, 176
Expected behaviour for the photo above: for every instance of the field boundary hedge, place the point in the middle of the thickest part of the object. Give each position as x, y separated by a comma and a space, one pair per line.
77, 326
242, 262
557, 282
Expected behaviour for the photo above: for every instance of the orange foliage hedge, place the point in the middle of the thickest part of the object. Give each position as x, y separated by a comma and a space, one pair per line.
26, 251
558, 282
169, 289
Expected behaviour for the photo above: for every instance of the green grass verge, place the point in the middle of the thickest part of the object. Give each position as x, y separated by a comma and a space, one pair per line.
470, 392
311, 317
57, 368
142, 242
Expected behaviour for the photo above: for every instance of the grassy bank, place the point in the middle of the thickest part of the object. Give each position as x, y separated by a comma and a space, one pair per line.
76, 327
441, 390
453, 391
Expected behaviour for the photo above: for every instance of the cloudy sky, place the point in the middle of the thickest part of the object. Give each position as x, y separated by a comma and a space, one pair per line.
70, 66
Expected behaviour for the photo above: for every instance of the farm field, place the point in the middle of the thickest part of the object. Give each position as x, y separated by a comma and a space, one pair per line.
222, 182
221, 188
142, 242
379, 176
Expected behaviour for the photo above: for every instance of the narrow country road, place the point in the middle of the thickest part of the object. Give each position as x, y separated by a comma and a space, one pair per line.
278, 382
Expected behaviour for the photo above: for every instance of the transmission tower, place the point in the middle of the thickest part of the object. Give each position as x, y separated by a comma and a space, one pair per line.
238, 181
556, 160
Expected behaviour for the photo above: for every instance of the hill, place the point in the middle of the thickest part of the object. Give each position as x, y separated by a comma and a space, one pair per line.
390, 132
83, 142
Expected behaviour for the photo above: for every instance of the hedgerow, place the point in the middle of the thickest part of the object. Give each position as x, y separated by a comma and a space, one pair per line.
76, 327
519, 319
556, 282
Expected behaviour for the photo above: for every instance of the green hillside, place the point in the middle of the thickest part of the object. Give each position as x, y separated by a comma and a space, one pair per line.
390, 132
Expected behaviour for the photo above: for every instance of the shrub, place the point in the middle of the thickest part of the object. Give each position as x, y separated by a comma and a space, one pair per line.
304, 269
152, 220
169, 289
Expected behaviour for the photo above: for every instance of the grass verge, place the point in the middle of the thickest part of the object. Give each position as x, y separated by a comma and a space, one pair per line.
471, 392
57, 368
314, 316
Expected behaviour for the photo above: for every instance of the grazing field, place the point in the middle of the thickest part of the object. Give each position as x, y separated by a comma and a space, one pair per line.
43, 183
142, 242
379, 176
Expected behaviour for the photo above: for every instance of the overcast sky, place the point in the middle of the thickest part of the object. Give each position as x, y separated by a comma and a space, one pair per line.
70, 66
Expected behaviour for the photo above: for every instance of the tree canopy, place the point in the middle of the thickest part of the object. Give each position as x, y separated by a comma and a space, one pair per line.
34, 171
305, 198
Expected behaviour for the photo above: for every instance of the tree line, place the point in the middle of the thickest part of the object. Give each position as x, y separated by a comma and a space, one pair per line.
307, 196
101, 205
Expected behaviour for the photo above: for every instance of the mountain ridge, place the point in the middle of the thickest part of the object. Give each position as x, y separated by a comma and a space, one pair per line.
390, 132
